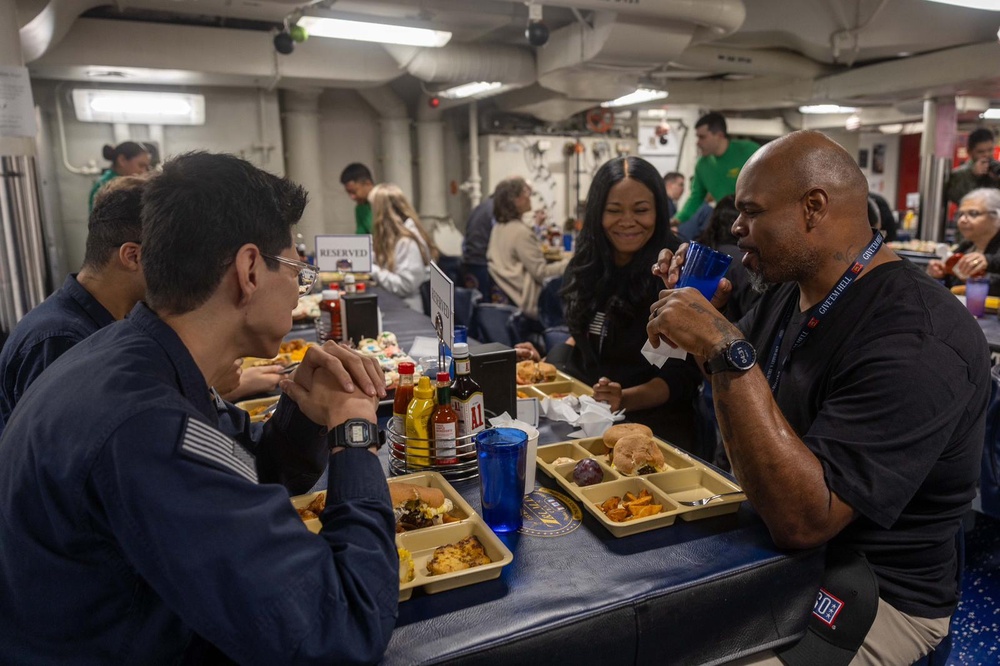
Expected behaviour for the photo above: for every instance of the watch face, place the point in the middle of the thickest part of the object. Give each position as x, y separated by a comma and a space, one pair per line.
742, 355
357, 433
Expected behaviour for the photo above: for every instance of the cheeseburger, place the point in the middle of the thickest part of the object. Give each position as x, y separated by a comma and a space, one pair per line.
418, 506
638, 454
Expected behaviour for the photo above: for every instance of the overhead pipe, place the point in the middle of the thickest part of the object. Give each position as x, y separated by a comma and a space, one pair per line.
750, 61
462, 63
50, 25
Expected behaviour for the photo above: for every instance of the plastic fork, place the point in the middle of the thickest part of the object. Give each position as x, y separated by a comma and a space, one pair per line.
705, 500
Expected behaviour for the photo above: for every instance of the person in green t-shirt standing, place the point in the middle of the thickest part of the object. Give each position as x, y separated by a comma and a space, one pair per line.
719, 165
127, 159
357, 181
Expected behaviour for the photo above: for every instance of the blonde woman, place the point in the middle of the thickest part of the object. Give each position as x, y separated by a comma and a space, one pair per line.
403, 249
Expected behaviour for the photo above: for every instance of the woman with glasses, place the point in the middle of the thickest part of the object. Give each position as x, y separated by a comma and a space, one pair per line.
403, 248
978, 220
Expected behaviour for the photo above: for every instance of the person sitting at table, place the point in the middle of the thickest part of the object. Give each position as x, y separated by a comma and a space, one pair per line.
606, 293
403, 248
126, 513
516, 261
109, 284
978, 220
862, 428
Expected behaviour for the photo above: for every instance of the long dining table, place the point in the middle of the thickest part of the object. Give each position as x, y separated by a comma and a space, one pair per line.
700, 592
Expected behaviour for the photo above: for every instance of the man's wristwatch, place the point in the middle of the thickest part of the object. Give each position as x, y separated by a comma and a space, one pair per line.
356, 434
738, 356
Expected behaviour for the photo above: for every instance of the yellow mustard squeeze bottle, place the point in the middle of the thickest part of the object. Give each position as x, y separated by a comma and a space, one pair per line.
418, 424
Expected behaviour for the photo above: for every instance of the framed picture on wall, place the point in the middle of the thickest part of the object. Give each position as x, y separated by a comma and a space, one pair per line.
863, 158
878, 158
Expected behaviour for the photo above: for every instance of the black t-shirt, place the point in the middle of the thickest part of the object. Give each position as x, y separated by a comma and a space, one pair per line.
890, 393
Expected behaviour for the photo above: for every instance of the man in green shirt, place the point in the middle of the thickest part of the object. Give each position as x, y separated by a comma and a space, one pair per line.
357, 181
719, 165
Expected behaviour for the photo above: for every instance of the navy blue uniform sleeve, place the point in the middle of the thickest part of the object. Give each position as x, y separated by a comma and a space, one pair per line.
233, 559
289, 448
33, 360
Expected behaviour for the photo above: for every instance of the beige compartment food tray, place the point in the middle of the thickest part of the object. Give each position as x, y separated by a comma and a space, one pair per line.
684, 479
563, 384
257, 405
421, 543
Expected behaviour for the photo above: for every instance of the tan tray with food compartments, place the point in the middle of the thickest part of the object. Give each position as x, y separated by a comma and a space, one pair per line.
421, 543
684, 479
563, 385
257, 408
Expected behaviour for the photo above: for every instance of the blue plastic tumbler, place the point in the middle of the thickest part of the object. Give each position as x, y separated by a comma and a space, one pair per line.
703, 269
502, 454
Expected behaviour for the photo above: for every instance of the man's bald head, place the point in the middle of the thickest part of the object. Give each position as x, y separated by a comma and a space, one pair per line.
807, 160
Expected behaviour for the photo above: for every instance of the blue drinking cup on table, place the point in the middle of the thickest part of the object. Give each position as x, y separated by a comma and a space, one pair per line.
502, 457
703, 269
976, 291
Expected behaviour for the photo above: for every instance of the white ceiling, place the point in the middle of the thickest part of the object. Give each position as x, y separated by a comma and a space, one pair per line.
757, 56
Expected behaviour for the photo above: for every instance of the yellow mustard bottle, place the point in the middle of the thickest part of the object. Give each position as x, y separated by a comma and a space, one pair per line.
418, 424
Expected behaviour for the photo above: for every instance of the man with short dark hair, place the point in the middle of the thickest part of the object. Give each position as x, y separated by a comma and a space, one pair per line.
673, 182
980, 170
827, 447
109, 283
719, 165
133, 530
357, 181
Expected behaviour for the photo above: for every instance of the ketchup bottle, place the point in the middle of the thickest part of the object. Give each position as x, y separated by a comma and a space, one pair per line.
404, 394
330, 327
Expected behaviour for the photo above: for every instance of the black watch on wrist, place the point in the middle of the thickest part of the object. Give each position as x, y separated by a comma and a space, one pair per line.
738, 356
356, 434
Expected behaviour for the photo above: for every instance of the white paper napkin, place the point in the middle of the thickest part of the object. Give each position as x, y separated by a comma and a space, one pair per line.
591, 417
659, 355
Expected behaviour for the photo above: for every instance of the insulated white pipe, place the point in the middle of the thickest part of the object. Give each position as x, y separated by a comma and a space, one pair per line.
397, 155
475, 182
430, 159
300, 120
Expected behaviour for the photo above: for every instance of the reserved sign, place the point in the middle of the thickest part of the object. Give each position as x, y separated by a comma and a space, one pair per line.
443, 305
345, 254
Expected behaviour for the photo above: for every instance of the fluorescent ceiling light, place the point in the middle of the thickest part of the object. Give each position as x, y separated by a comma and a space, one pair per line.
638, 97
852, 123
826, 108
989, 5
382, 33
476, 89
991, 114
138, 107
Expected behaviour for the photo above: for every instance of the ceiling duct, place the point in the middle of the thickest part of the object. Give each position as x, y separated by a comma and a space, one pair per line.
759, 62
50, 25
462, 63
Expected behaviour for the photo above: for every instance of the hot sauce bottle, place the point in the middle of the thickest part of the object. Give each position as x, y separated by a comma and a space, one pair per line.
466, 395
445, 423
404, 394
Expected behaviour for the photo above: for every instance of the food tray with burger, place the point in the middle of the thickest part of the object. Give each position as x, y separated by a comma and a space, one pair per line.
632, 482
291, 351
543, 380
442, 542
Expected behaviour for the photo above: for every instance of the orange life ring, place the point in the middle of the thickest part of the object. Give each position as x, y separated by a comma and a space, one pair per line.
600, 120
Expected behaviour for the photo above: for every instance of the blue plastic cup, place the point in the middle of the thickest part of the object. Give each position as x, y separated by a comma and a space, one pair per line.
461, 333
976, 291
502, 456
703, 269
568, 242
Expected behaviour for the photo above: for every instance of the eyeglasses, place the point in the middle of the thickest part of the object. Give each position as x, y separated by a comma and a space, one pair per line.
971, 214
307, 272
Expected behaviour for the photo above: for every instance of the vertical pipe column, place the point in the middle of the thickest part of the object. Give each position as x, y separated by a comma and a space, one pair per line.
936, 145
22, 252
394, 121
475, 179
300, 120
430, 152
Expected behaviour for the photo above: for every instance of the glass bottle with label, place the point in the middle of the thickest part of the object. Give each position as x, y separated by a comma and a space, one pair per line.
329, 326
350, 284
418, 424
401, 401
466, 394
445, 423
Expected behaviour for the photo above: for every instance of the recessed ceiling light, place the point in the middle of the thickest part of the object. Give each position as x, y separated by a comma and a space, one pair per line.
366, 31
638, 97
988, 5
904, 54
139, 107
826, 108
477, 89
991, 114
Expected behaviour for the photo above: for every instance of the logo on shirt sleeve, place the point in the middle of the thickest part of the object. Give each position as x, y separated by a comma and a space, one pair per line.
205, 442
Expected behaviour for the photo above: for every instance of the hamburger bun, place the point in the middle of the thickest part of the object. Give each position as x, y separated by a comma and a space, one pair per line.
546, 372
616, 432
401, 493
637, 454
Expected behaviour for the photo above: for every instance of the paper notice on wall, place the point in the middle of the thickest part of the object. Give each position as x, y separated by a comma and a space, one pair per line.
17, 109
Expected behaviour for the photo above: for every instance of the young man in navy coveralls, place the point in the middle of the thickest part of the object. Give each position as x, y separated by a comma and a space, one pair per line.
133, 531
861, 424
